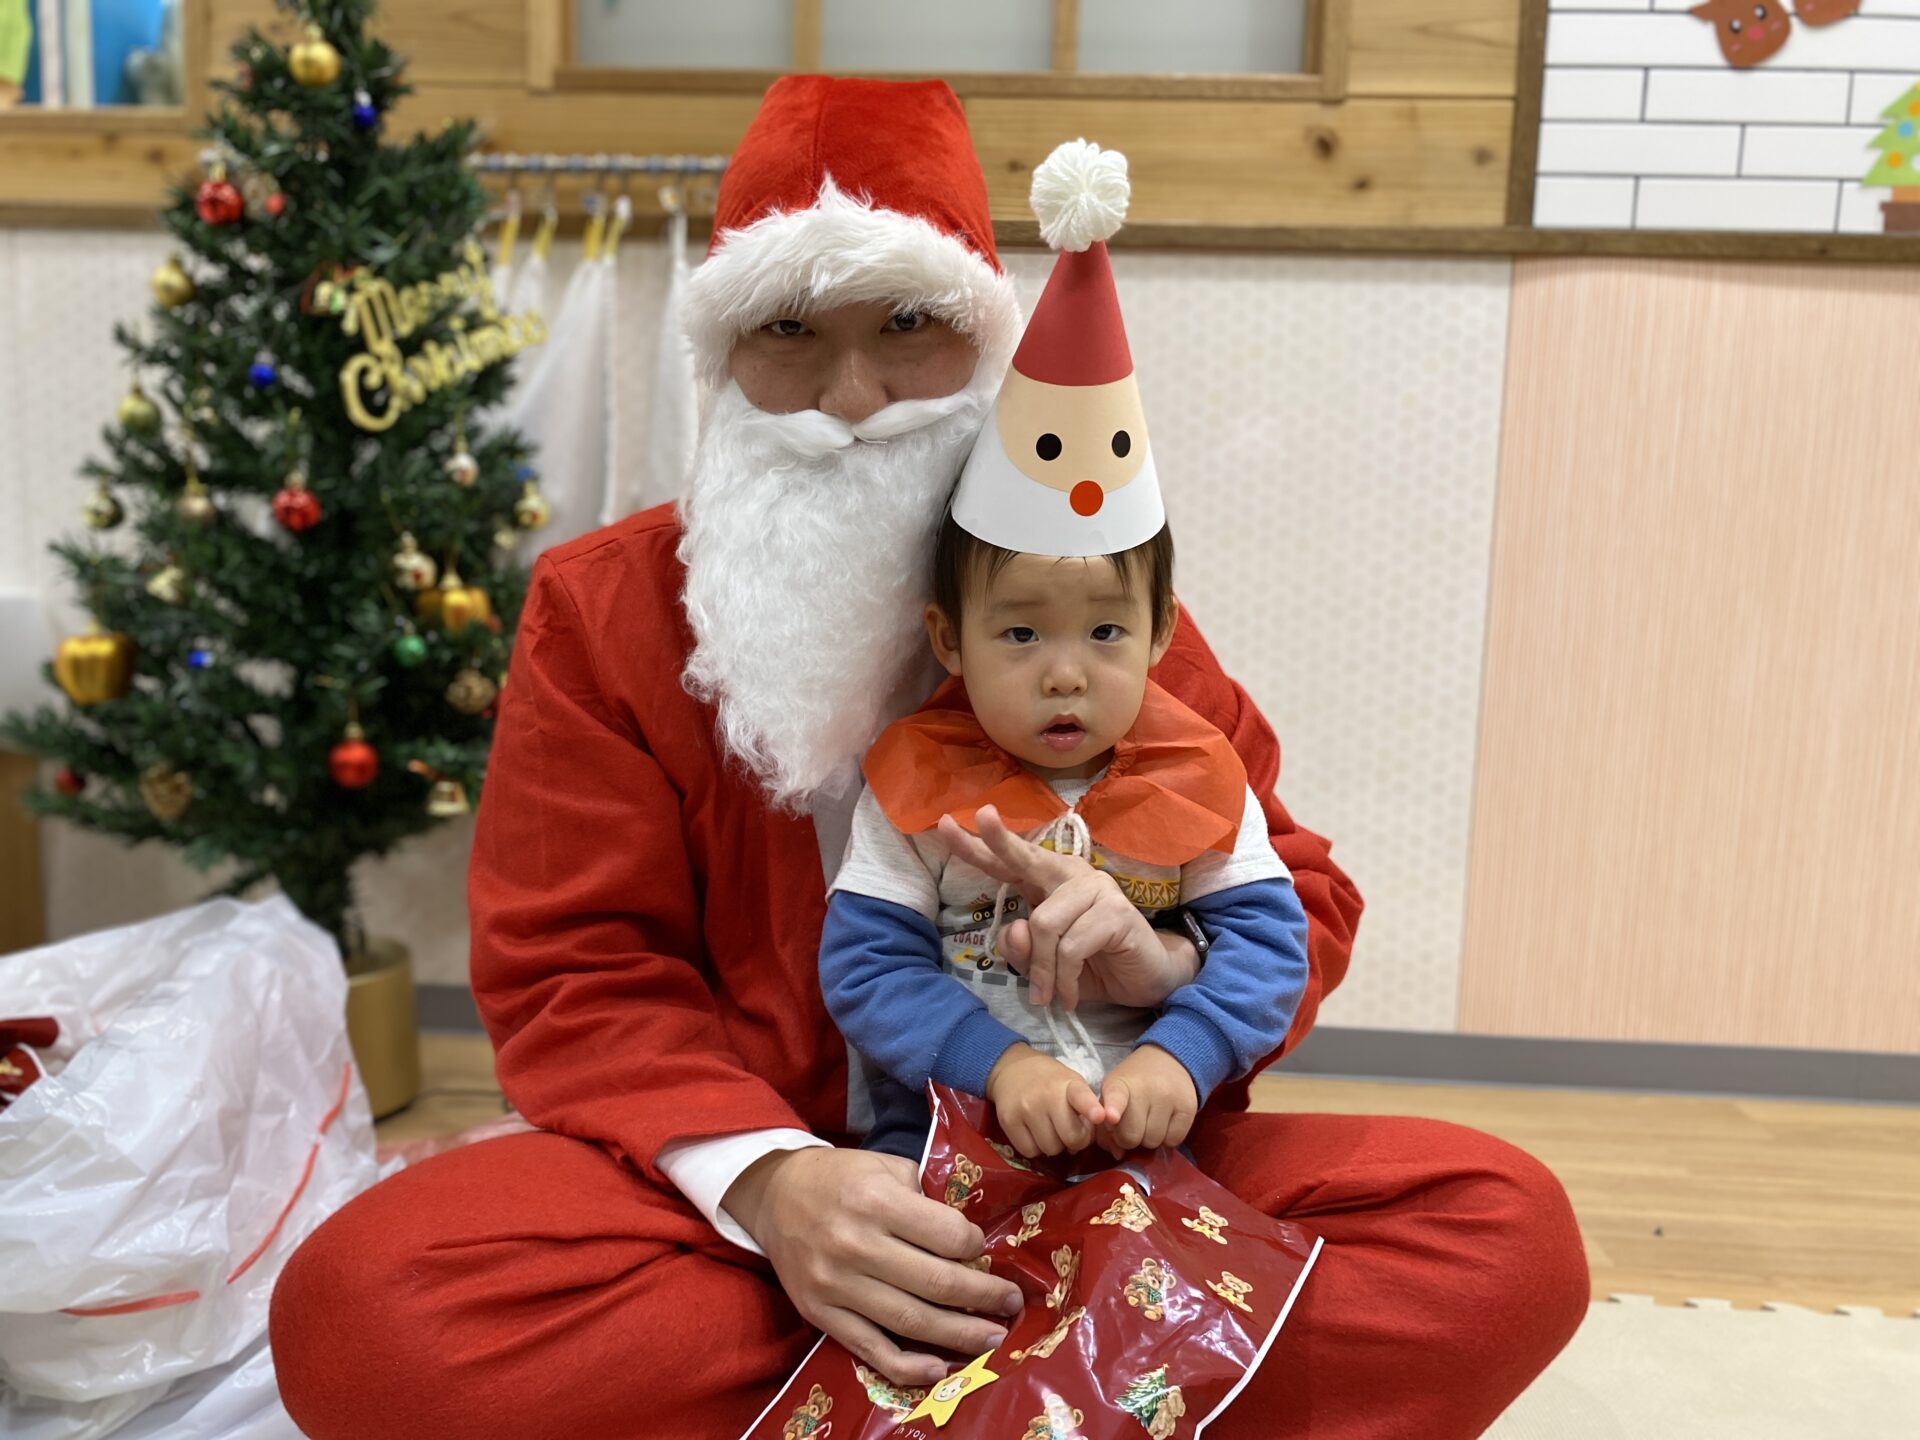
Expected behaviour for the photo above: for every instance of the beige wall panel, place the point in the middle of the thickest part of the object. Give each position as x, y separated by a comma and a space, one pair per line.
574, 123
1434, 47
1697, 805
444, 41
1369, 162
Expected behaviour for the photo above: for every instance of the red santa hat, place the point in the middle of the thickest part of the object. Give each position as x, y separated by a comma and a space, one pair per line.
845, 191
1062, 465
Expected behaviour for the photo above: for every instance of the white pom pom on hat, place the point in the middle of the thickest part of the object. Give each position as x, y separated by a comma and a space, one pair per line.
1080, 195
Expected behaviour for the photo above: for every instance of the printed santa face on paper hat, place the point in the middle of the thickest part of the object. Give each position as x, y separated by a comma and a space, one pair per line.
1062, 466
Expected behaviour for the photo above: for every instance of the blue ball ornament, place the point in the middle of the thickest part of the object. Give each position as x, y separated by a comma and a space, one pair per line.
263, 374
365, 117
200, 658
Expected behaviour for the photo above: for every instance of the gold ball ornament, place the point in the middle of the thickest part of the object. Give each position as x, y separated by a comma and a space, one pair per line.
314, 62
462, 468
136, 413
413, 568
94, 667
172, 286
454, 604
167, 792
531, 511
102, 512
195, 505
505, 536
168, 585
471, 692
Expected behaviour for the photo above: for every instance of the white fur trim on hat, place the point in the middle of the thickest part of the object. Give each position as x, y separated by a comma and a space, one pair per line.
842, 251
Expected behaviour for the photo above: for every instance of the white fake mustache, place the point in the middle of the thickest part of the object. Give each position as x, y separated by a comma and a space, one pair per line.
811, 434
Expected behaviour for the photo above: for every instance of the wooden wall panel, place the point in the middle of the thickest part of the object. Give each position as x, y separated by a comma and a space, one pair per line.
1434, 47
1697, 805
457, 42
1423, 145
1367, 162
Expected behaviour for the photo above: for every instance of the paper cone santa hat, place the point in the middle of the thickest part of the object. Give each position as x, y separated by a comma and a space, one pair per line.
848, 190
1062, 465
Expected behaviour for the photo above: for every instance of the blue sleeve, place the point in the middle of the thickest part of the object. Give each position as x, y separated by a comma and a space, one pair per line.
880, 972
1237, 1010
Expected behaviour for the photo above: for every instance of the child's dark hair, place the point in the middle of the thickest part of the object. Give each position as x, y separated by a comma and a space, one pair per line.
957, 552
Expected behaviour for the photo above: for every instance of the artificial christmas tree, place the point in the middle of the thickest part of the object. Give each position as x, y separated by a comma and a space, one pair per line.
322, 349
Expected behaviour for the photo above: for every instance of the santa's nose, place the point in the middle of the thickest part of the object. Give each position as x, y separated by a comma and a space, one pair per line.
853, 388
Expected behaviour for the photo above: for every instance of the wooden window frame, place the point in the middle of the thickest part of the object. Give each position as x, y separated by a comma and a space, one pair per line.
1325, 80
134, 121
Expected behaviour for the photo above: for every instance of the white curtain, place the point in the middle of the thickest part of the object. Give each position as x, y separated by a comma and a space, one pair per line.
674, 413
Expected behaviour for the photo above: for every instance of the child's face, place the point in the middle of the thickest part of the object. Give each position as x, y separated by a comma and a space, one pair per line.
1055, 658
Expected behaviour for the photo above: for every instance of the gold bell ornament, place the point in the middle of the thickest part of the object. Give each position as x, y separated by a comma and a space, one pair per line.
195, 505
102, 512
471, 692
413, 568
314, 62
136, 413
446, 799
171, 284
168, 585
95, 666
167, 792
531, 511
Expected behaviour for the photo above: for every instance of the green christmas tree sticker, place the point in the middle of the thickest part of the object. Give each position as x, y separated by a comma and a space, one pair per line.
1898, 167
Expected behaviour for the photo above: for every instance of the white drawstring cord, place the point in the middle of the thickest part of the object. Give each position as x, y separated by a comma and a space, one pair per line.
1070, 836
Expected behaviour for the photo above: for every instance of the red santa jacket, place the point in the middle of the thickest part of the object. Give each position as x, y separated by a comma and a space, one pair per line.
646, 930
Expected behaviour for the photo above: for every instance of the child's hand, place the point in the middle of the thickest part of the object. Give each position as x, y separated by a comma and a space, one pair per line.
1150, 1101
1043, 1106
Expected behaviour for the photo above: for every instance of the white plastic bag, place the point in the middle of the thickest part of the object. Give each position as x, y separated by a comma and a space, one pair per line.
235, 1401
208, 1119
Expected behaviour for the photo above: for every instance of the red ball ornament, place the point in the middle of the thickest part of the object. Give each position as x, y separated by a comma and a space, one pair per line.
276, 204
295, 506
219, 203
69, 782
353, 761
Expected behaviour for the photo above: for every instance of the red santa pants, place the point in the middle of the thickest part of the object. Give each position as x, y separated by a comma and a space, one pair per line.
531, 1286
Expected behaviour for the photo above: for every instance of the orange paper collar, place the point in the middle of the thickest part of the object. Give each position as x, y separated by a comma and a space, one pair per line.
1175, 789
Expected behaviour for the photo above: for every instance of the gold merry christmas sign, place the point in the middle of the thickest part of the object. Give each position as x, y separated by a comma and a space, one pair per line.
383, 383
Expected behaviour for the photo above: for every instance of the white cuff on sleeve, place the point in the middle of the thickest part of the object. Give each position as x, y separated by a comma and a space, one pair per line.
704, 1170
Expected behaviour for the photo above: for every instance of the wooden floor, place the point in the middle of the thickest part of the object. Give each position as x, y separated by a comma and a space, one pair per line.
1678, 1197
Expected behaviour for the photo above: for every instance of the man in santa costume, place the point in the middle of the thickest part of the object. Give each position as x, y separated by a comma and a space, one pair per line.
672, 778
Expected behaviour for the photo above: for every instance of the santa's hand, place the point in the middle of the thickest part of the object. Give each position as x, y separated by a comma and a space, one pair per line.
1085, 940
860, 1251
1150, 1100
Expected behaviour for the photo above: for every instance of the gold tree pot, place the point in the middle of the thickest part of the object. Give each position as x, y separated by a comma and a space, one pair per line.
383, 1025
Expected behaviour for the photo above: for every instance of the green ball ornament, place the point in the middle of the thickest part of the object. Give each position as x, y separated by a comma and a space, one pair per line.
410, 650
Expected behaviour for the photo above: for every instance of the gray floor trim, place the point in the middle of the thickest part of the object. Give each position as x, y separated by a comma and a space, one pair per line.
447, 1007
1608, 1065
1511, 1060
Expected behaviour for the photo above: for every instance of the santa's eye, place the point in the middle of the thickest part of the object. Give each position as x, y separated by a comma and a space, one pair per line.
1122, 443
1047, 447
788, 327
908, 321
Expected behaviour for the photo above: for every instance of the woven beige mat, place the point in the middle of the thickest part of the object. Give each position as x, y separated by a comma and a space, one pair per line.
1705, 1371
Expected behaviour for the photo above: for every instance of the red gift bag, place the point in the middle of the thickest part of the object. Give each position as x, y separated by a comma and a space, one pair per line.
1152, 1295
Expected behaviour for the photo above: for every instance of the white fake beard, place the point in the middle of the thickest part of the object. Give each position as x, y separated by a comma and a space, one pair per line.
808, 545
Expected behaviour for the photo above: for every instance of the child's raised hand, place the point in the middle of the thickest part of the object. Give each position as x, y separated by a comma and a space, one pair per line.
1078, 914
1150, 1101
1043, 1106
